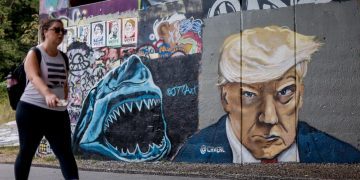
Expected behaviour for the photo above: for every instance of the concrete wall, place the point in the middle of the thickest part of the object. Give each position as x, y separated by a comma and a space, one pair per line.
174, 74
331, 72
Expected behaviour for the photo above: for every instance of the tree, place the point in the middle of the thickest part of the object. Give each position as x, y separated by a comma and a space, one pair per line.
19, 21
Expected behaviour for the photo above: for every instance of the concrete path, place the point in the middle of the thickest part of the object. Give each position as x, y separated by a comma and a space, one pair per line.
9, 134
41, 173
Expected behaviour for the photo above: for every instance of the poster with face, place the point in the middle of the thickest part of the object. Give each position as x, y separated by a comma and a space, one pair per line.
98, 34
113, 33
69, 38
129, 32
84, 34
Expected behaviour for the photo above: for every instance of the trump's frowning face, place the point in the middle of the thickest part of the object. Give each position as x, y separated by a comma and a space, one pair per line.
264, 115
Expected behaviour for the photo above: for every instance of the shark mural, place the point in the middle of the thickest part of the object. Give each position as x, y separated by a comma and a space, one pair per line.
122, 116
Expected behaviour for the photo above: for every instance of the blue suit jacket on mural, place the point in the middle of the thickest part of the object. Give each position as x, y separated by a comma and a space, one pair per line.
211, 145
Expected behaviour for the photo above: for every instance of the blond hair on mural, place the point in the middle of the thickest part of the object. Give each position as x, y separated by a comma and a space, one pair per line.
263, 54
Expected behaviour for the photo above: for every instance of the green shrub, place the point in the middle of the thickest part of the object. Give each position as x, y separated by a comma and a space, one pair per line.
6, 113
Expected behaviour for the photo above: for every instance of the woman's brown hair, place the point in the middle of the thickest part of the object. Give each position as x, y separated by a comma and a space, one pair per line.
45, 25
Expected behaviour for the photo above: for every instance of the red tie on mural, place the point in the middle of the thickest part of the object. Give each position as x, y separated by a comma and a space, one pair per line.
267, 161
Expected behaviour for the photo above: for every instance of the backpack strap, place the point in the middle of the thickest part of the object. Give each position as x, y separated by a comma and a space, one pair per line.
38, 53
66, 60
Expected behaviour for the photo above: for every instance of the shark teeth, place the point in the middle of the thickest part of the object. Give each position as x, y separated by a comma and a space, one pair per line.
152, 149
138, 104
128, 107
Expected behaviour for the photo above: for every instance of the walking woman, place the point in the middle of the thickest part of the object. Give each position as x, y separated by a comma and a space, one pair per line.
38, 113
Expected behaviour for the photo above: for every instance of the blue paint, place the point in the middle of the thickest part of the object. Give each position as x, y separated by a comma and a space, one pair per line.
190, 24
116, 109
165, 50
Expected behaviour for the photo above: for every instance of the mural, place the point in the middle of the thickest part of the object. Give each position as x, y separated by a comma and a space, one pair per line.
113, 33
218, 7
49, 6
129, 35
261, 122
156, 2
98, 34
176, 33
140, 81
125, 100
274, 4
84, 34
70, 37
171, 36
86, 69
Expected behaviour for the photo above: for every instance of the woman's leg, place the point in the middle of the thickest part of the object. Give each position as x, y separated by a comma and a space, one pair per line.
30, 135
59, 136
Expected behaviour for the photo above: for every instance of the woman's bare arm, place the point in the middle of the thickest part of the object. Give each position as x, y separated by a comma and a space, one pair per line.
33, 73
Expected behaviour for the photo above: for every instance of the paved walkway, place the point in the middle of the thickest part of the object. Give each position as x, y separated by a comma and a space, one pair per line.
111, 170
41, 173
9, 134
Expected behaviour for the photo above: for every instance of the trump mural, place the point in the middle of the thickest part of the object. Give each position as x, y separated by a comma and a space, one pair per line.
261, 85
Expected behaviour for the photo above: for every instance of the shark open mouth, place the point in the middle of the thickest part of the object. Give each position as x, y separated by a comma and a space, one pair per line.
122, 117
143, 118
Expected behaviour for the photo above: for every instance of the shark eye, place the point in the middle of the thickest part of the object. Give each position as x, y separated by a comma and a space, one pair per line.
108, 85
110, 82
115, 74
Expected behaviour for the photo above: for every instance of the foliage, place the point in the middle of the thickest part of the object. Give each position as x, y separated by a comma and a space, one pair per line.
6, 113
18, 31
30, 31
3, 93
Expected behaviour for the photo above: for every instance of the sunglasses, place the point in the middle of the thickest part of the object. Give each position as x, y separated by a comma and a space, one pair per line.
57, 30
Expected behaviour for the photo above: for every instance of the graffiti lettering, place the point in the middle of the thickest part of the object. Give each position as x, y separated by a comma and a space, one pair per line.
182, 90
129, 40
176, 33
190, 25
210, 149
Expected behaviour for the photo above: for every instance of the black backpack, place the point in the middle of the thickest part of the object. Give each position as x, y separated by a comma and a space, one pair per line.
16, 80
